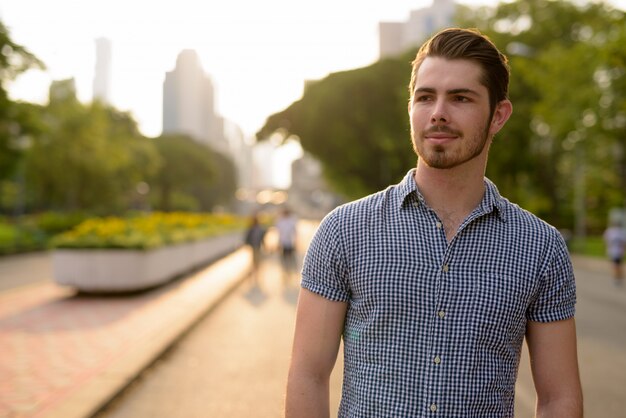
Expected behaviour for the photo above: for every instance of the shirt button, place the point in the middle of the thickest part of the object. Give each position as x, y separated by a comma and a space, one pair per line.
439, 225
441, 314
445, 268
416, 204
433, 407
437, 359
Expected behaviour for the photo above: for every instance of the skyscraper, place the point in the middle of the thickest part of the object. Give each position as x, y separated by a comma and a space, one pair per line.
397, 37
102, 74
189, 103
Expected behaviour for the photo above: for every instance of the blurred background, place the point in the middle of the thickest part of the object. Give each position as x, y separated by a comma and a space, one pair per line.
140, 124
111, 107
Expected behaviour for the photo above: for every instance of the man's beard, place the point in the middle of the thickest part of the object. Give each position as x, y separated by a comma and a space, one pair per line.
442, 157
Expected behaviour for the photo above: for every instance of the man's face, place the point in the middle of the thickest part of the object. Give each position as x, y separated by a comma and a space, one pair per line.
450, 120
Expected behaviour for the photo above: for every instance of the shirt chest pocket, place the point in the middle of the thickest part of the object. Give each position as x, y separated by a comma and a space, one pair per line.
500, 305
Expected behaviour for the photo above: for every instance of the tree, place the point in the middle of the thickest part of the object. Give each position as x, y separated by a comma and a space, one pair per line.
558, 55
222, 191
567, 83
18, 121
88, 157
355, 122
15, 120
187, 167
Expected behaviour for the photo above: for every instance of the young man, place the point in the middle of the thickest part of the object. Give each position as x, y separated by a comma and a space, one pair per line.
434, 282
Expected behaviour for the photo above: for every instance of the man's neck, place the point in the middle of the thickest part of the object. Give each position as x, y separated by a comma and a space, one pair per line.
452, 193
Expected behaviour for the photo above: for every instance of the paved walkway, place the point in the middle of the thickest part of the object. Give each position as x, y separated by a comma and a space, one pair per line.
21, 269
233, 364
63, 355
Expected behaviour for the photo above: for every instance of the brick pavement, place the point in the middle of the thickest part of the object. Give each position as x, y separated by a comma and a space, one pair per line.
64, 354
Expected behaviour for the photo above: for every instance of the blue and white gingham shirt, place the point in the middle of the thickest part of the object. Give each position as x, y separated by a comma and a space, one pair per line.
436, 328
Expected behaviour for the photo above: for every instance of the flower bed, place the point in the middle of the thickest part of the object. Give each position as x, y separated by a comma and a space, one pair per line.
122, 255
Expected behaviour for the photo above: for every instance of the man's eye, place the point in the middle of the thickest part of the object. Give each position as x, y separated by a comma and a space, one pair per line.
462, 99
422, 98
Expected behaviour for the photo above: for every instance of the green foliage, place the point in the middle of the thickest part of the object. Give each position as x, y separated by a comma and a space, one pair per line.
356, 124
20, 236
590, 246
16, 122
186, 165
14, 58
88, 157
564, 146
8, 237
33, 232
146, 231
193, 176
52, 223
222, 191
565, 132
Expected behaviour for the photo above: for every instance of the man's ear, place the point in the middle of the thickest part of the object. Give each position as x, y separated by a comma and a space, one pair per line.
501, 114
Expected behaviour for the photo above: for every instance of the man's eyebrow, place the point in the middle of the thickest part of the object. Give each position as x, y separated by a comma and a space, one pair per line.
463, 91
451, 91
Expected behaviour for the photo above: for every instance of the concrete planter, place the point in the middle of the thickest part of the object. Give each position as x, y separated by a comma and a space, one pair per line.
118, 270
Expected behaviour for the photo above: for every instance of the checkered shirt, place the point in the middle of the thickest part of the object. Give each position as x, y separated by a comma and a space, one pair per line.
436, 328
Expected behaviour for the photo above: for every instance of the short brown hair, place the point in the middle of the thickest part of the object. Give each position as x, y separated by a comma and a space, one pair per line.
469, 44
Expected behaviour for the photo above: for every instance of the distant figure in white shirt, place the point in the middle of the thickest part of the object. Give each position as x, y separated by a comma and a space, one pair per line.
615, 240
287, 236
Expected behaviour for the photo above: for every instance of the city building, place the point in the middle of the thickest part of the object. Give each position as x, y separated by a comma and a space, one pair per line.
309, 194
61, 90
241, 152
189, 103
397, 37
102, 74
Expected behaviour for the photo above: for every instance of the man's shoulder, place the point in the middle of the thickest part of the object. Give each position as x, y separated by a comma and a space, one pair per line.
365, 205
524, 220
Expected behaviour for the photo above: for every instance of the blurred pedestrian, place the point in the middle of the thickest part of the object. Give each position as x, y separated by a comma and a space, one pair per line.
434, 283
286, 226
255, 236
615, 241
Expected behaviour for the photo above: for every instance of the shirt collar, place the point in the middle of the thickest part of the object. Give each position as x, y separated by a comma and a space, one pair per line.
407, 192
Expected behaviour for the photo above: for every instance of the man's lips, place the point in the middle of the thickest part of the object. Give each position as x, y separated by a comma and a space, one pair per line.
441, 135
440, 138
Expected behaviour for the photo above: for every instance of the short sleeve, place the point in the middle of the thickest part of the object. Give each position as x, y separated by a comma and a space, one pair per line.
324, 268
556, 298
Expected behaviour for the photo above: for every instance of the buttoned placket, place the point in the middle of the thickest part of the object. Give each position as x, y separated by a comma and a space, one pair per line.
437, 357
440, 314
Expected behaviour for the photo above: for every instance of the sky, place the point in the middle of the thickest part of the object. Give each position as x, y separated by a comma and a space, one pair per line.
258, 53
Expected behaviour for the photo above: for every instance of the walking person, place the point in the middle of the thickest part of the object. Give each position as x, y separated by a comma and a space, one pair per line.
286, 225
254, 238
434, 283
615, 242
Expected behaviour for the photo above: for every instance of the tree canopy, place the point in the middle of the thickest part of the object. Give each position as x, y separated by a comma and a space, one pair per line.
70, 156
561, 153
16, 119
356, 124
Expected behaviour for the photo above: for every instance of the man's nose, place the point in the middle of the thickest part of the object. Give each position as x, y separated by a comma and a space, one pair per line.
439, 115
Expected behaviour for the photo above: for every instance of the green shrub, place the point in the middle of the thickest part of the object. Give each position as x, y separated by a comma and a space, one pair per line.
592, 246
52, 223
147, 230
16, 238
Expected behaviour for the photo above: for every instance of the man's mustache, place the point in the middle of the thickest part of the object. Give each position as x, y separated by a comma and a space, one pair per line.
442, 129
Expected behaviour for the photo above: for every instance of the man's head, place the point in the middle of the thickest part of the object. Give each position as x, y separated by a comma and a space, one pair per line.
458, 99
468, 44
